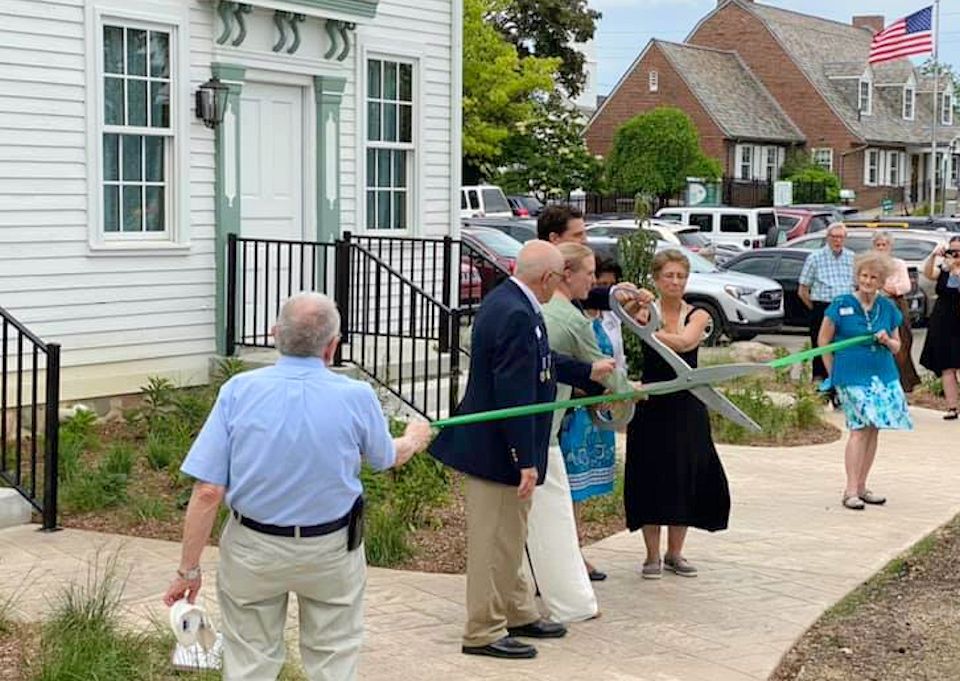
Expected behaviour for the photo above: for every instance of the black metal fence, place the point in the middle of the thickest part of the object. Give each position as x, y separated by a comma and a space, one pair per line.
29, 457
401, 302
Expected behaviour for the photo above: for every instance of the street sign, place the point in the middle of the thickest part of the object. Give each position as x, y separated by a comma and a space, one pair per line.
887, 206
782, 193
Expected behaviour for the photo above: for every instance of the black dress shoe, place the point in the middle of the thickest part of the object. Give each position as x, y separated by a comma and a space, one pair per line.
506, 648
539, 629
596, 575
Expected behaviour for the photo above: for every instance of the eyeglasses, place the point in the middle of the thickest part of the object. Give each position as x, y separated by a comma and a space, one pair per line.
952, 253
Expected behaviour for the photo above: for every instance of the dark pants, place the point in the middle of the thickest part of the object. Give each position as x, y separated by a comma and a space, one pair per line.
816, 320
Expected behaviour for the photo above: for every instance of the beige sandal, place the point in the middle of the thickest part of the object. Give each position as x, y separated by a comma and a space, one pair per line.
853, 502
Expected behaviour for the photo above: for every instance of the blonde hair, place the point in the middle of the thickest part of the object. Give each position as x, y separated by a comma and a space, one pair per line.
661, 259
871, 260
574, 254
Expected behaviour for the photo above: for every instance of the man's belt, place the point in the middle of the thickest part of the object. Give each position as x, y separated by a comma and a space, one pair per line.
294, 531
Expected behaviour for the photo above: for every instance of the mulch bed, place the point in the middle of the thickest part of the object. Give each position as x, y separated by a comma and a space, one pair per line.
904, 624
923, 398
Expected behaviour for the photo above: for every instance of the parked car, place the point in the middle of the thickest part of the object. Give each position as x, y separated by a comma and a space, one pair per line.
745, 227
800, 221
838, 213
521, 229
912, 247
525, 206
491, 252
739, 305
784, 265
603, 237
484, 200
907, 222
470, 283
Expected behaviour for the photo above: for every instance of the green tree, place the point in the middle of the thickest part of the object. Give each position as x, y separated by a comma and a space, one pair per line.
654, 154
499, 88
548, 156
811, 183
636, 253
547, 28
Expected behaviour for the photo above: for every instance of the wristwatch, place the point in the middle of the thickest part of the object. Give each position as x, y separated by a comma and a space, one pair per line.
191, 575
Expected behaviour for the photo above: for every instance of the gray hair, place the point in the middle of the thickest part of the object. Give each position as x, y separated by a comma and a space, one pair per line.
306, 325
837, 227
882, 235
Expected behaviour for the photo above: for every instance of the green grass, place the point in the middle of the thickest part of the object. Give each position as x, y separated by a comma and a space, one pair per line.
775, 419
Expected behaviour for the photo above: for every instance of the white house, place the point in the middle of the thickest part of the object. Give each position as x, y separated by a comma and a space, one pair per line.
116, 200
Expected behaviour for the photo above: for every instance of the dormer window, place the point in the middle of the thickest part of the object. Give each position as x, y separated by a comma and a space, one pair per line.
946, 107
909, 100
865, 104
654, 81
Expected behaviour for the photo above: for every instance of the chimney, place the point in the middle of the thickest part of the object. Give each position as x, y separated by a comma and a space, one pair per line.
872, 21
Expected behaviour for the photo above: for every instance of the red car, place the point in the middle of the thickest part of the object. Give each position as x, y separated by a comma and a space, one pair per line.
800, 221
491, 252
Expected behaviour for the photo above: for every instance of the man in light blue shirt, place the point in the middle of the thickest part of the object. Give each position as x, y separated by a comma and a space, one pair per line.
827, 273
283, 447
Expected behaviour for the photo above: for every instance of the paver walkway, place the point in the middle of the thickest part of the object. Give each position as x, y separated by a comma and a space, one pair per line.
791, 552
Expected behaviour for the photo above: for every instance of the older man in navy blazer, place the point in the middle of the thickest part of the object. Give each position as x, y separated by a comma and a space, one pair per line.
511, 364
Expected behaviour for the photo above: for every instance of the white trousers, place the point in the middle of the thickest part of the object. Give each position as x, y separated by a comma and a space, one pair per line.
554, 549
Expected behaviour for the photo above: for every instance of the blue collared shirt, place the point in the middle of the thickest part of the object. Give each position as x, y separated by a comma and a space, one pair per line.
827, 274
286, 441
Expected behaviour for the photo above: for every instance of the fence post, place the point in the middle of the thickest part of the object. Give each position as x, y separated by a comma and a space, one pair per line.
454, 376
341, 289
446, 293
51, 438
230, 331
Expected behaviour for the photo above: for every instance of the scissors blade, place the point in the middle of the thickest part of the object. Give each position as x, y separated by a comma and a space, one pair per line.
720, 373
727, 409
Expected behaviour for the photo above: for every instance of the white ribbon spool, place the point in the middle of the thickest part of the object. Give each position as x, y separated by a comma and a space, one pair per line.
191, 625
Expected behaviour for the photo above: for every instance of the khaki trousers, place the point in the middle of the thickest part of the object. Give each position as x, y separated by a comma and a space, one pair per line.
256, 574
499, 594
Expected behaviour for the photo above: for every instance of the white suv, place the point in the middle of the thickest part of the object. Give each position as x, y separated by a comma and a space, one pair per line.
483, 201
743, 227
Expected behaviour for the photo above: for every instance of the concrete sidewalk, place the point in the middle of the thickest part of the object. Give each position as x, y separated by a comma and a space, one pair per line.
791, 552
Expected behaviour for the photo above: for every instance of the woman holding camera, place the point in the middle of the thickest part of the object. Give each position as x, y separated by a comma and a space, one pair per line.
941, 351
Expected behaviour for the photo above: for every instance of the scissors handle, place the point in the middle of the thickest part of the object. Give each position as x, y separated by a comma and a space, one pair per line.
647, 333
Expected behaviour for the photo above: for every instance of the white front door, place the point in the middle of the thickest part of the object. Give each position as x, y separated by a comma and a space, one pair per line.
271, 162
271, 204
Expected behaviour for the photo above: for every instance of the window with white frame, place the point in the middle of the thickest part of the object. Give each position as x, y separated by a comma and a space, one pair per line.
909, 101
871, 175
390, 143
946, 108
823, 157
654, 80
772, 167
135, 130
865, 97
746, 162
893, 168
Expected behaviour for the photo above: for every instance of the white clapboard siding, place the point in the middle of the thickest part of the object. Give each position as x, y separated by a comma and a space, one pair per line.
103, 308
122, 317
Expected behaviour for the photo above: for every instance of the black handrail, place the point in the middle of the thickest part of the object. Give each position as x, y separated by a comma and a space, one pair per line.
22, 471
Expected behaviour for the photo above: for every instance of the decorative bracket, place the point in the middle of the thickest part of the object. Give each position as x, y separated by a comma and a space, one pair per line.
231, 15
338, 32
284, 20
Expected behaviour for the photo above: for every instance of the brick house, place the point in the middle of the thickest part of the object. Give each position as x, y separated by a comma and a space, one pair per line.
748, 73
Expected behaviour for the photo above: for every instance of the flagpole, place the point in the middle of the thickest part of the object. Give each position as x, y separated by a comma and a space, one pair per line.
936, 103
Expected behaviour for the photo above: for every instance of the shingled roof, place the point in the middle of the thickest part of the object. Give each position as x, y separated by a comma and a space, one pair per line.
825, 50
736, 100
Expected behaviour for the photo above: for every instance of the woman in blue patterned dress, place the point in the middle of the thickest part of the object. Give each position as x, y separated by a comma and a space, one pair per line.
865, 376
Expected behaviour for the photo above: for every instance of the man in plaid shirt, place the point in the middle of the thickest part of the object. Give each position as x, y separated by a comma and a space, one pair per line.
826, 274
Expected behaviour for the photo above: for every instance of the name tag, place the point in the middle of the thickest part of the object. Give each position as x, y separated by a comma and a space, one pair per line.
846, 311
537, 330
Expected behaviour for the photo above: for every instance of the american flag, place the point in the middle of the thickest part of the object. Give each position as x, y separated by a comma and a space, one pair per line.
908, 36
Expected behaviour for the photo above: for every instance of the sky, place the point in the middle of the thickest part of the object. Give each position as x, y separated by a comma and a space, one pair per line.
627, 25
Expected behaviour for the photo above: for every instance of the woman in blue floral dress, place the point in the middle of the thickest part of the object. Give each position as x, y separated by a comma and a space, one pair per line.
865, 376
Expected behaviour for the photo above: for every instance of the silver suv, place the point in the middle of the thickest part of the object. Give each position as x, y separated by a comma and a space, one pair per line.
739, 305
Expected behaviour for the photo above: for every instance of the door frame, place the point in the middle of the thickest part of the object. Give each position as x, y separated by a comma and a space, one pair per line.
308, 135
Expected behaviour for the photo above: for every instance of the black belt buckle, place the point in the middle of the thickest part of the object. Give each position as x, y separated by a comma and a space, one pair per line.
355, 525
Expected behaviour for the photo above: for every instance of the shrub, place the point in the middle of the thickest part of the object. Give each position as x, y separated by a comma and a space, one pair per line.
89, 489
776, 420
933, 385
385, 537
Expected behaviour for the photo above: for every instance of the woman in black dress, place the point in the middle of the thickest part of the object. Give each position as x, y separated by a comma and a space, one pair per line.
941, 351
673, 475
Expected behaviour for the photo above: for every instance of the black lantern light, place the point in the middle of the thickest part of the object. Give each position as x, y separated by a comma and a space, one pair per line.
212, 102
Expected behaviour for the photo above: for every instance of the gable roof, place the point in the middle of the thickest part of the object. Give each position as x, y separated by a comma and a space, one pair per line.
818, 46
729, 92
